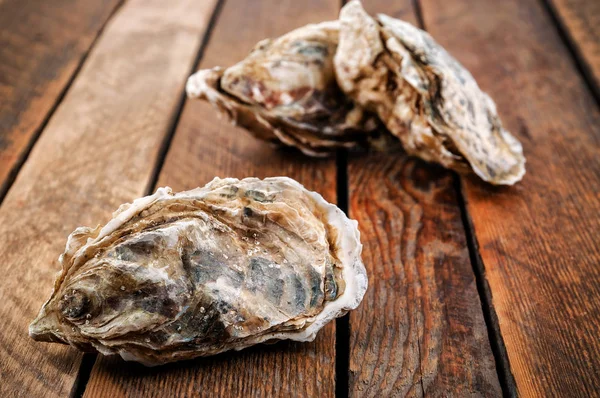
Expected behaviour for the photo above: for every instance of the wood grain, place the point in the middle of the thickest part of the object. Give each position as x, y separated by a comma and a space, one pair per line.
97, 151
204, 146
41, 45
539, 239
421, 330
581, 21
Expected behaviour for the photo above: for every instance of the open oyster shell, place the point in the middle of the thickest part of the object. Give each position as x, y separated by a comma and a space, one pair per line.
285, 91
424, 96
226, 266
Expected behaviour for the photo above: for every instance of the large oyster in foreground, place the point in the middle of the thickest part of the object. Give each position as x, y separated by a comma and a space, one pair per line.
285, 91
424, 96
176, 276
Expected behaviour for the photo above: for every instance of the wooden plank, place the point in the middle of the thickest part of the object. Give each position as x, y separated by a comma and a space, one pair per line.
539, 239
581, 21
421, 329
205, 146
97, 152
41, 46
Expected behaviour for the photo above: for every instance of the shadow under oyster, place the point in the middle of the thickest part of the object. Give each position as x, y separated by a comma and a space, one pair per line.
424, 96
285, 91
226, 266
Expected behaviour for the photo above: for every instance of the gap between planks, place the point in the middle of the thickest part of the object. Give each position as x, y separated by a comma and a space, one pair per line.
507, 380
160, 160
578, 56
342, 325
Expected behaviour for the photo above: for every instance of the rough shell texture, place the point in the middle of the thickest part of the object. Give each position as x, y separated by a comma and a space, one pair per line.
424, 96
176, 276
285, 91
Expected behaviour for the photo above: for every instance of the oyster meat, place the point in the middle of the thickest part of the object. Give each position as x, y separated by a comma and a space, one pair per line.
285, 91
424, 96
232, 264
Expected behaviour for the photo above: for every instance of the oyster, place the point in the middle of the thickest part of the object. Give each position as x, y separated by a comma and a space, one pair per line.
285, 91
226, 266
423, 96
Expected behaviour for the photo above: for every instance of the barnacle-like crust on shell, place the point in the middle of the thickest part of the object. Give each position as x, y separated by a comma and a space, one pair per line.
226, 266
286, 91
424, 96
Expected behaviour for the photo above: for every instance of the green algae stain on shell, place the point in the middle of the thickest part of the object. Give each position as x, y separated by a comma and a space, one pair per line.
226, 266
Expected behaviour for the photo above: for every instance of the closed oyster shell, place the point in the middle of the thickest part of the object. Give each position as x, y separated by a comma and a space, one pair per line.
424, 96
226, 266
285, 91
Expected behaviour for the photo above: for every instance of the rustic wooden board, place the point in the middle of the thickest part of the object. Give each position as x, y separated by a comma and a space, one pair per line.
41, 45
539, 239
97, 151
420, 330
581, 21
205, 146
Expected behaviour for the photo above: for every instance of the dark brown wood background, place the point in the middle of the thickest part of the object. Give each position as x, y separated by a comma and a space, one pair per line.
474, 290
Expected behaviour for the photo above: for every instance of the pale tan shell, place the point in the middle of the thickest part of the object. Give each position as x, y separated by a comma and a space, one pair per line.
232, 264
424, 96
386, 77
286, 91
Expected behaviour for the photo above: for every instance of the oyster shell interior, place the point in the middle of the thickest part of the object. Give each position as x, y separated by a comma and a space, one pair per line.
176, 276
365, 82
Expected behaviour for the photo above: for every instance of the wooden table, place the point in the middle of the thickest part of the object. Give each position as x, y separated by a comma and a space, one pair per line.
474, 290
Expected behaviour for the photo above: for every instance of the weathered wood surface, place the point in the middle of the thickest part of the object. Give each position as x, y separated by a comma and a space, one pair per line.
421, 329
204, 146
581, 21
41, 45
97, 151
539, 239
